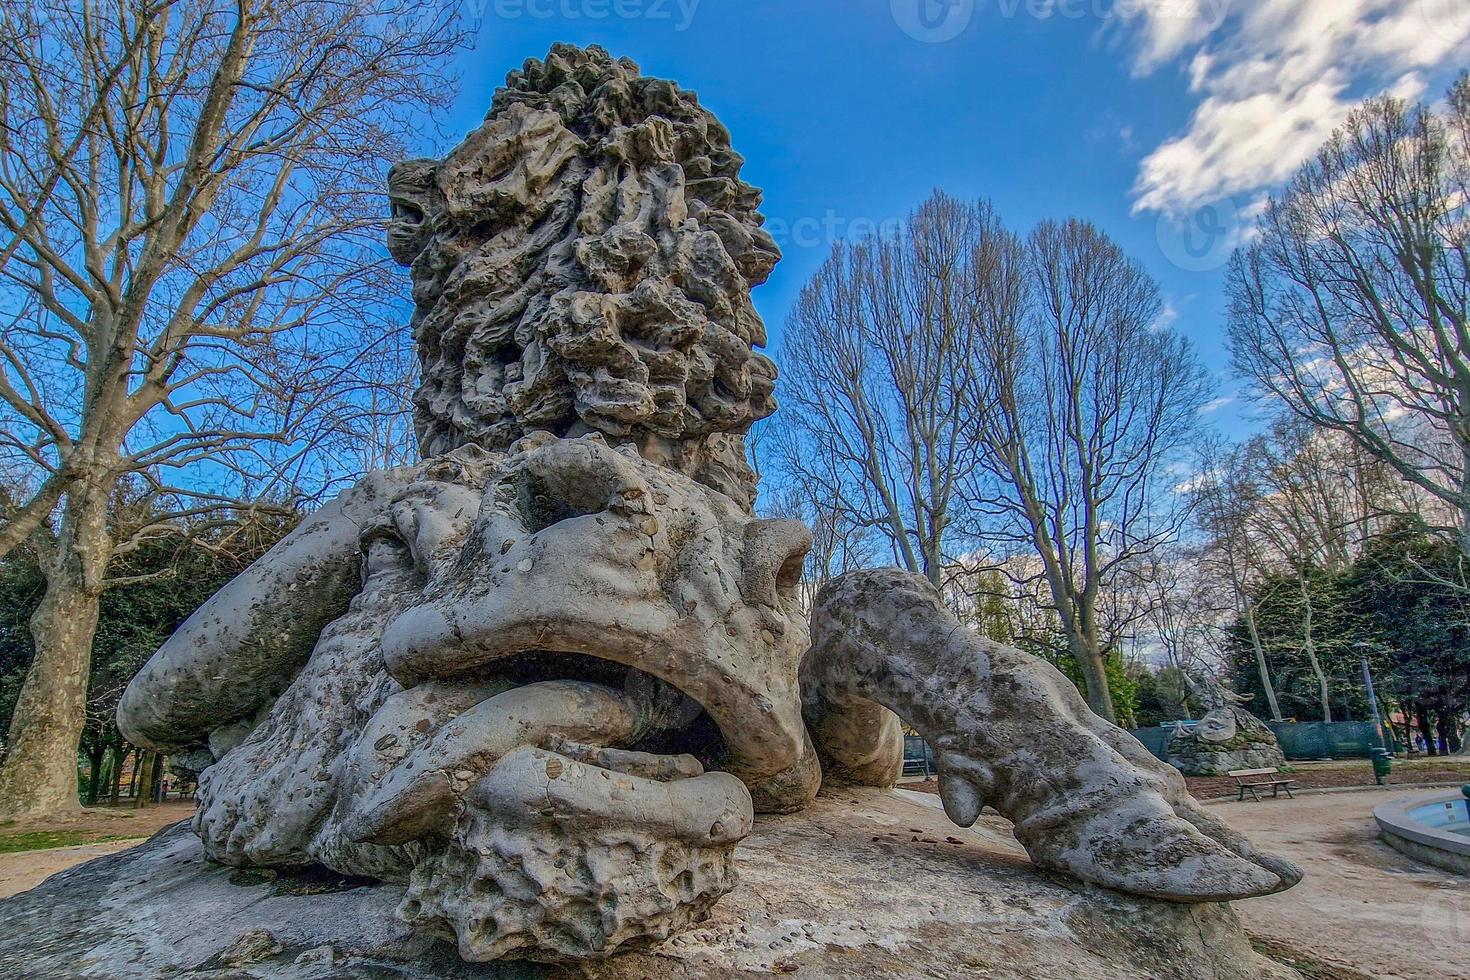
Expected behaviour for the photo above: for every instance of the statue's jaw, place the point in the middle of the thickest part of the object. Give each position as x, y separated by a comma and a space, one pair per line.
589, 564
424, 754
548, 831
554, 859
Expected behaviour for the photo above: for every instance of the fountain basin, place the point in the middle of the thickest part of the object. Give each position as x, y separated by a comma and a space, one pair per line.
1429, 827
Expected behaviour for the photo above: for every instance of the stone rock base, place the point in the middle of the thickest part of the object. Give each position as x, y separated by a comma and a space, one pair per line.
1201, 759
862, 884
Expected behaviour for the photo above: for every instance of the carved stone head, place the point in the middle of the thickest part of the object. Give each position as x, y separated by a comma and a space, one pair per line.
583, 262
523, 709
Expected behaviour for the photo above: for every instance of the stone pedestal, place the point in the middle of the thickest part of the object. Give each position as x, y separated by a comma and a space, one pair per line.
864, 883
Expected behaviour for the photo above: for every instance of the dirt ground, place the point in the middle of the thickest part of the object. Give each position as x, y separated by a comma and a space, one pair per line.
1339, 774
22, 870
106, 820
25, 870
1362, 905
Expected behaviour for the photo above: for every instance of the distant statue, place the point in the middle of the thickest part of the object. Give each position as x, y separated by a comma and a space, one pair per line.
1227, 738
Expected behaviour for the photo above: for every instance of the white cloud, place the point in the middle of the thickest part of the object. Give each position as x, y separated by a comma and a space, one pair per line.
1216, 404
1274, 78
1171, 26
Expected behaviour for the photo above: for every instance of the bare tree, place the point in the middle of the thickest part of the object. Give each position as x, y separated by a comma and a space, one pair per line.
958, 383
1288, 505
189, 194
1226, 496
1351, 306
874, 362
1087, 398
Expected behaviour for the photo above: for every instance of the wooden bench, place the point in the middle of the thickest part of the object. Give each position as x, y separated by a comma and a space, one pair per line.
1248, 779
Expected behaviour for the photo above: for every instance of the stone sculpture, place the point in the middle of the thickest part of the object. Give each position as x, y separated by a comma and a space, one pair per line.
547, 677
1227, 738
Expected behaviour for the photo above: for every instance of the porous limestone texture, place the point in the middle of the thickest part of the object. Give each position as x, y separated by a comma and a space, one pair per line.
886, 889
517, 710
1227, 738
583, 262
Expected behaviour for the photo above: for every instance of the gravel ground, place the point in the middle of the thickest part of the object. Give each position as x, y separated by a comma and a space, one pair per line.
1345, 774
1362, 905
1364, 910
106, 820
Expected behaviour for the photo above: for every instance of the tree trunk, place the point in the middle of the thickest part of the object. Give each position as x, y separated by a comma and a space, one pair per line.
1446, 732
144, 773
1094, 671
1309, 644
94, 777
1421, 717
119, 756
1249, 612
39, 777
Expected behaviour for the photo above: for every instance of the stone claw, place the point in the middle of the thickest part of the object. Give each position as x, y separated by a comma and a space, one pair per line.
1142, 845
1085, 798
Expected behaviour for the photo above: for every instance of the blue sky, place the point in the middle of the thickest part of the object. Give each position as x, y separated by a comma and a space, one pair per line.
1162, 121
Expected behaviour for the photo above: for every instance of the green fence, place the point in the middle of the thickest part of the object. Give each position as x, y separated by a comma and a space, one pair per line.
1299, 740
1320, 740
918, 757
1156, 740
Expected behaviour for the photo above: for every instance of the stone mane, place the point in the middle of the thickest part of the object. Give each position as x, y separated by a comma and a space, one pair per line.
582, 262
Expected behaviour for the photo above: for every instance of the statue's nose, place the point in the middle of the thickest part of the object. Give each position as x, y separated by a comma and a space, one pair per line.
775, 552
564, 478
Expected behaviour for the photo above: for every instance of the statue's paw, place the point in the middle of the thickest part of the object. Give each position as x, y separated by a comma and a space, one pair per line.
1142, 850
1132, 841
1237, 843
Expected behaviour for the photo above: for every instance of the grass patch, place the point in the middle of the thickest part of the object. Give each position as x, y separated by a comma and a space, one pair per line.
1305, 963
41, 840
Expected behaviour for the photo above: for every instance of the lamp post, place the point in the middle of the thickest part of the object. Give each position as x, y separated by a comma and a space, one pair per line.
1363, 646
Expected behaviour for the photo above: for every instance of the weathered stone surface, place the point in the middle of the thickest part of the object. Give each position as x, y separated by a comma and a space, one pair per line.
516, 712
583, 262
886, 888
1010, 731
544, 679
236, 654
1227, 738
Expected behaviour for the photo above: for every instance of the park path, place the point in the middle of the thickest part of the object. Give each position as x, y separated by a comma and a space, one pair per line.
24, 870
122, 825
1362, 904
